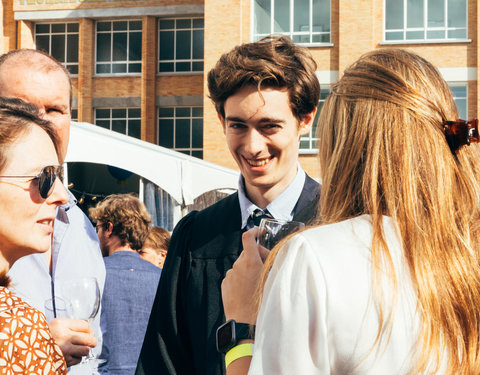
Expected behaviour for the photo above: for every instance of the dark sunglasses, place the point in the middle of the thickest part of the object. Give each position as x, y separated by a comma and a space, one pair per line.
46, 179
461, 132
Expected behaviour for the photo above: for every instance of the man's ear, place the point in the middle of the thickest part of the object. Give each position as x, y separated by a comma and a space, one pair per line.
108, 228
222, 120
307, 123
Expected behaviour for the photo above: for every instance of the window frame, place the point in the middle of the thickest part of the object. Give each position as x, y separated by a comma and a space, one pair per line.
74, 114
460, 84
183, 150
127, 62
425, 27
65, 33
292, 33
111, 118
175, 60
310, 137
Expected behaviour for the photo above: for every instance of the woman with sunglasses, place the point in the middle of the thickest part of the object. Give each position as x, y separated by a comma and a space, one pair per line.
390, 282
30, 191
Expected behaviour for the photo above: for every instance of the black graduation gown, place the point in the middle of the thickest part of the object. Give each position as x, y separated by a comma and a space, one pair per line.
180, 337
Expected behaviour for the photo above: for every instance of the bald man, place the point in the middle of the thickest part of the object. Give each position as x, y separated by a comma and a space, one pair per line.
39, 79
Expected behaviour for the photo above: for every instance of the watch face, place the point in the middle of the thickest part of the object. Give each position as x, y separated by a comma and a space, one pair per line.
226, 336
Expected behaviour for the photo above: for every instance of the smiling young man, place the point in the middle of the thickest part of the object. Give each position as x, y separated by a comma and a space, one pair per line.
265, 94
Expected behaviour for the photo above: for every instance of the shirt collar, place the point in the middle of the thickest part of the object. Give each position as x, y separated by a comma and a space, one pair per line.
62, 210
72, 201
282, 207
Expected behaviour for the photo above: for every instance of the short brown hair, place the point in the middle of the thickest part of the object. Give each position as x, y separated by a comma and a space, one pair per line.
158, 239
128, 216
271, 62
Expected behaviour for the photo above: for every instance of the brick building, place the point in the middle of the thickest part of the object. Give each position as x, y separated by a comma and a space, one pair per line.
138, 67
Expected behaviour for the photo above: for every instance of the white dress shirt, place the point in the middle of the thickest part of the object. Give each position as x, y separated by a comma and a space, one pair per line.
281, 208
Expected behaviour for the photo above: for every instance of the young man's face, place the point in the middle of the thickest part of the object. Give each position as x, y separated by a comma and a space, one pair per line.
263, 136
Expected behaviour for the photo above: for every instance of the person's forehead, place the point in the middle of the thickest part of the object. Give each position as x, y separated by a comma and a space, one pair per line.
23, 74
249, 102
36, 86
30, 152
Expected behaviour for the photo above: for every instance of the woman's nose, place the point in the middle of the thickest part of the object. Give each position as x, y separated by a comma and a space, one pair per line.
59, 194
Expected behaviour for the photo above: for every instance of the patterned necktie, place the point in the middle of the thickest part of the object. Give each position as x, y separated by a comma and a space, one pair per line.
258, 215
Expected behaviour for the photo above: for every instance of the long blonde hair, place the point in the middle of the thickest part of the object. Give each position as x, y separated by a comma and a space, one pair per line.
383, 152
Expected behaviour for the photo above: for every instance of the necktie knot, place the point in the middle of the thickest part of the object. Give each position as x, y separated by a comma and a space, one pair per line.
258, 215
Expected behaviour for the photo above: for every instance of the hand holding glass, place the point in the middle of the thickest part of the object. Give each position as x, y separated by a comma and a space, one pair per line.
84, 299
272, 231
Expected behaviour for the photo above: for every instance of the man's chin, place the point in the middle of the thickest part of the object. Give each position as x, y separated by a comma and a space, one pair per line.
261, 183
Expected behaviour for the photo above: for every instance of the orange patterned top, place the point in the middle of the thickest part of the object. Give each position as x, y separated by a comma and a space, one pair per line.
26, 344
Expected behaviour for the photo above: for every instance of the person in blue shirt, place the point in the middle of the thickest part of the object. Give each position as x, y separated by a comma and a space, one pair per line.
39, 79
131, 282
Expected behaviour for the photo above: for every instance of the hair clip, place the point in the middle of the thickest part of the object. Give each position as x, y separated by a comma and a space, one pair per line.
461, 132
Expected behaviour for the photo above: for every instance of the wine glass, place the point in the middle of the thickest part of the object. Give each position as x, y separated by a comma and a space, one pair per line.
57, 307
84, 299
272, 231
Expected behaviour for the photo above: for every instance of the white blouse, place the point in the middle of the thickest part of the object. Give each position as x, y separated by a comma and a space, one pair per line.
317, 315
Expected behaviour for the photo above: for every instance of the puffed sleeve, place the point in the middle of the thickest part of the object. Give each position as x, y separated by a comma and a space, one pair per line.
26, 344
165, 348
291, 336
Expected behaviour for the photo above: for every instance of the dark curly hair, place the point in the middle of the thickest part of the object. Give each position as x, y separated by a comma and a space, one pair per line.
274, 61
128, 215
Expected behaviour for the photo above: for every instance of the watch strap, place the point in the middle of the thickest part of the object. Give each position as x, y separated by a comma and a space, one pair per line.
230, 333
243, 332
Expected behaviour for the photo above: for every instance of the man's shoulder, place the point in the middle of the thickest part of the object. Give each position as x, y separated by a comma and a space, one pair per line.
130, 260
71, 229
307, 204
310, 183
124, 269
221, 217
76, 213
78, 222
204, 233
221, 208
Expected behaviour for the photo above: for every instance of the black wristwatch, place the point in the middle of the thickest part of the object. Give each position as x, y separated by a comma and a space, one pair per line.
230, 333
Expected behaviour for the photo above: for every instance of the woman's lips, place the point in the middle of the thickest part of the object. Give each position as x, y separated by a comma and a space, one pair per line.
47, 224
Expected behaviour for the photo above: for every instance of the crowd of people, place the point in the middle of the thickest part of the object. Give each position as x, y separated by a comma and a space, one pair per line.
384, 280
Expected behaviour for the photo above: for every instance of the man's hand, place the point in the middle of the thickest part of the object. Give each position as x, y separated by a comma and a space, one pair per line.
240, 284
74, 337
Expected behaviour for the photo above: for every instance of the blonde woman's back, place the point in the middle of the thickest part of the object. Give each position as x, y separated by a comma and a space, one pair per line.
320, 292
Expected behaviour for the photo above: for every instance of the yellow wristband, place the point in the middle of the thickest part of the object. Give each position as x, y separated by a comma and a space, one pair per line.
239, 351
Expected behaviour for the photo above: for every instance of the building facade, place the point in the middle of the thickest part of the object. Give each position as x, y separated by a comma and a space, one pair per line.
139, 67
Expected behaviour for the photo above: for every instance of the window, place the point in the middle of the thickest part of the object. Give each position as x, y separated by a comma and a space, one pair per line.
59, 40
181, 128
305, 21
459, 92
180, 45
425, 20
308, 143
119, 47
121, 120
74, 114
